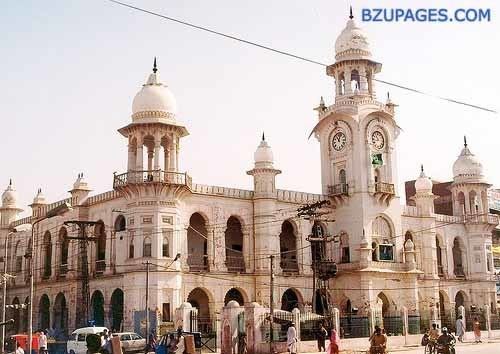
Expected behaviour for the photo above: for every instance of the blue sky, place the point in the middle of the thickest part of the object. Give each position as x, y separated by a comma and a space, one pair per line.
71, 69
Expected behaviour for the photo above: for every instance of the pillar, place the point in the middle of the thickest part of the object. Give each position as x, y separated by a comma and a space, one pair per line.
166, 158
138, 162
487, 310
150, 159
336, 320
177, 149
347, 82
157, 155
172, 165
363, 87
131, 158
467, 204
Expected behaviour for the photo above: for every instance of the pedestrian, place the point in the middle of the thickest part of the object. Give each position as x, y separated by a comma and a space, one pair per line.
291, 339
321, 337
242, 343
151, 346
334, 346
378, 342
476, 327
42, 340
19, 349
180, 346
460, 328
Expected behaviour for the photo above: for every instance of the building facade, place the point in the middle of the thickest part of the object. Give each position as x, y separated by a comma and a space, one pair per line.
206, 245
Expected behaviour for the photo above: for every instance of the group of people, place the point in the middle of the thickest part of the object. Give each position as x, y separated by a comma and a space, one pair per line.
322, 335
460, 329
175, 343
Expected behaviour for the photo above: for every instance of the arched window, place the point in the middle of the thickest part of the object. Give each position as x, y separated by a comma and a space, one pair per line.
165, 249
458, 268
19, 258
355, 82
64, 244
234, 245
408, 236
374, 251
146, 247
197, 243
47, 247
120, 223
345, 254
317, 251
341, 84
461, 203
131, 246
377, 175
100, 234
342, 177
288, 248
439, 257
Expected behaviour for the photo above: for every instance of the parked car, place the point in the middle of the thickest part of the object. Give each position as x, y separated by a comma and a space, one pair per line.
131, 342
77, 340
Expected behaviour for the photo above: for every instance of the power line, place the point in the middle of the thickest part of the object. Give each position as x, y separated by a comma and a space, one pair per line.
295, 56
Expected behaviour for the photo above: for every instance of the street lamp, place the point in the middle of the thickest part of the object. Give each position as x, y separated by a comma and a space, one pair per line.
4, 279
59, 210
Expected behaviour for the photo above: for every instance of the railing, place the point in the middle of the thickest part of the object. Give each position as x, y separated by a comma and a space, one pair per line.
156, 176
197, 262
459, 272
100, 266
338, 189
235, 264
382, 187
288, 266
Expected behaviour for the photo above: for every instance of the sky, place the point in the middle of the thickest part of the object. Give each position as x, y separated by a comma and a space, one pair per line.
71, 68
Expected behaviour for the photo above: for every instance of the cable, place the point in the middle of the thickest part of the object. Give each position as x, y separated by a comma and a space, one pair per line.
295, 56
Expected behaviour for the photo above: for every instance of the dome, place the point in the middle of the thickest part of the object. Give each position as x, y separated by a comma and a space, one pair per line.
80, 183
9, 197
467, 167
39, 198
154, 100
263, 156
352, 43
423, 184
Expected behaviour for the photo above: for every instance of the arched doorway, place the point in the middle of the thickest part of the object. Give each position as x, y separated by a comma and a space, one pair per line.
16, 315
120, 223
234, 294
439, 256
100, 234
460, 300
234, 246
117, 310
97, 304
60, 313
288, 248
199, 299
197, 243
44, 312
290, 300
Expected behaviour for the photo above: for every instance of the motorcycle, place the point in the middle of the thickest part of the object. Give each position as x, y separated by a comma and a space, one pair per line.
445, 348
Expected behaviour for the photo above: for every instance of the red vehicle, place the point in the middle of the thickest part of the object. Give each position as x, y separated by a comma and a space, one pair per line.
22, 339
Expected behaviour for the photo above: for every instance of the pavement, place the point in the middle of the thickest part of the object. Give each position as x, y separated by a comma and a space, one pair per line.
487, 347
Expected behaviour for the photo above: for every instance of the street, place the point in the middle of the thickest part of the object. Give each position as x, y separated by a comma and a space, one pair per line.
467, 348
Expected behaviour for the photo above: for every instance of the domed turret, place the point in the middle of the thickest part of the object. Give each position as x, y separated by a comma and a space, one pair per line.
352, 43
263, 156
423, 184
9, 197
154, 101
467, 167
39, 198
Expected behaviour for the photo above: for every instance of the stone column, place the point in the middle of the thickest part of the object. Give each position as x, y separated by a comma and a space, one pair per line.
487, 310
166, 157
150, 160
467, 204
139, 161
172, 164
131, 157
247, 260
177, 149
404, 315
336, 320
363, 89
347, 82
157, 155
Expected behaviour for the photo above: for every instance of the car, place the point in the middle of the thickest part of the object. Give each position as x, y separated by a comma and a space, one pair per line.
77, 341
131, 342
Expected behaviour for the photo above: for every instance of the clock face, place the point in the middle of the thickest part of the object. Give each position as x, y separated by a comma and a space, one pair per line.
378, 140
339, 140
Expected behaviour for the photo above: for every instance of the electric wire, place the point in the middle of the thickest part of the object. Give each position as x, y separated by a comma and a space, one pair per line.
295, 56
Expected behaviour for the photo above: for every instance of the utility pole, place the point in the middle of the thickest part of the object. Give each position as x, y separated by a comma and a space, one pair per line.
147, 300
84, 297
5, 276
323, 267
271, 306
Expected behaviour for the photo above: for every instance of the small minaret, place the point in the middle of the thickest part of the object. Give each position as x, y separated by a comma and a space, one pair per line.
80, 190
9, 210
424, 199
264, 173
38, 202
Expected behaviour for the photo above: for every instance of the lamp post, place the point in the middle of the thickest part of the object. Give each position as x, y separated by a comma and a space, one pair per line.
4, 278
59, 210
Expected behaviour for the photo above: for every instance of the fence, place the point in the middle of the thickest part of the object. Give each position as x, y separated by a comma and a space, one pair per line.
414, 324
281, 322
470, 318
309, 325
354, 326
495, 322
393, 324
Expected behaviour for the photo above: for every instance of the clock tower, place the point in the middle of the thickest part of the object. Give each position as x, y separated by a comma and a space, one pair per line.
357, 136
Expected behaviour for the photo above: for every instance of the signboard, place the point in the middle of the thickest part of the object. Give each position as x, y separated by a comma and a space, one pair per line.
377, 160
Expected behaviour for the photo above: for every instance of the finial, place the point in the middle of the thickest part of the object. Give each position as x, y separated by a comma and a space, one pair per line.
155, 68
465, 141
388, 96
263, 137
321, 101
350, 13
421, 168
10, 181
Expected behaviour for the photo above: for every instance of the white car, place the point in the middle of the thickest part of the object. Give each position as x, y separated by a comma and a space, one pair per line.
131, 342
77, 341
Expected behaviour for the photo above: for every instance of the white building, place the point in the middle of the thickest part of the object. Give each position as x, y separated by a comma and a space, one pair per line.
389, 256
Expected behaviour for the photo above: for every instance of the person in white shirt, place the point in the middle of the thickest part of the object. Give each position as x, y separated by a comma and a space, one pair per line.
42, 340
19, 349
181, 344
291, 339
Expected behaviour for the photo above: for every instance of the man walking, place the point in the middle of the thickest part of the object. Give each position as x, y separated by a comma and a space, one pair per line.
321, 337
460, 328
291, 339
